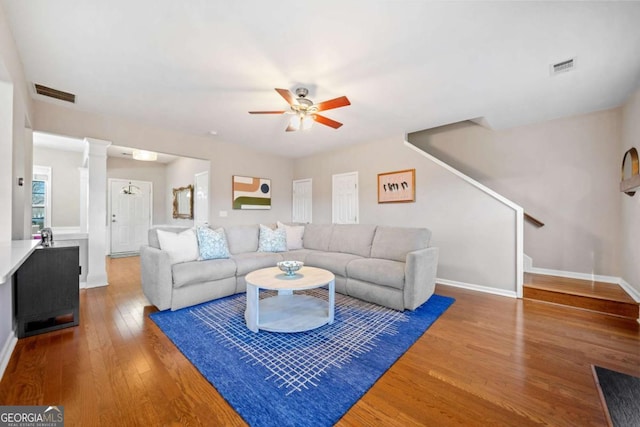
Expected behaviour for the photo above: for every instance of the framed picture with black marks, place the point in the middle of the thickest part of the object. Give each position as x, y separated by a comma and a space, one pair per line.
397, 187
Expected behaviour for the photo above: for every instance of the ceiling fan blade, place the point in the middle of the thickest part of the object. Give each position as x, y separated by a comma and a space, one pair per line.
287, 95
267, 112
326, 121
333, 103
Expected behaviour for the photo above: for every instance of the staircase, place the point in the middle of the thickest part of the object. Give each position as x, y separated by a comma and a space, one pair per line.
607, 298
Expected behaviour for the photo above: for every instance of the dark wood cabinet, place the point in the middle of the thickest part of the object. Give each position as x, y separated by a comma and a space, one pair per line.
46, 293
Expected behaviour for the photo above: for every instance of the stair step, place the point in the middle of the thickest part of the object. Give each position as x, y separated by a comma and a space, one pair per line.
608, 298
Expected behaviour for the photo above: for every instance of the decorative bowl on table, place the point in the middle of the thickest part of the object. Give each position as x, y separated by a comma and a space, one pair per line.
290, 267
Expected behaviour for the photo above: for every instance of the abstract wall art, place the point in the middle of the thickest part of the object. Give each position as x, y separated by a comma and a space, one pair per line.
397, 187
251, 193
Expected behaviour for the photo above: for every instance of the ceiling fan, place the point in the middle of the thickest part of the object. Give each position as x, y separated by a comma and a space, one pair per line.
305, 112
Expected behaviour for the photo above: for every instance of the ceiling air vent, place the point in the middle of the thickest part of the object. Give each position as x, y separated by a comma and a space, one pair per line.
55, 93
562, 67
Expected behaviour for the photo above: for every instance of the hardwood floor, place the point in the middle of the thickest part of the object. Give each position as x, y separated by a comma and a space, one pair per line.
488, 360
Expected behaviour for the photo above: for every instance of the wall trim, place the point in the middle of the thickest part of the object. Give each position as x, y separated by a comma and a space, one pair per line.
633, 293
478, 288
7, 351
96, 282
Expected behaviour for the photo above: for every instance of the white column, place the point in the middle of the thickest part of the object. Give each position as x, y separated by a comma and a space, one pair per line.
84, 199
97, 219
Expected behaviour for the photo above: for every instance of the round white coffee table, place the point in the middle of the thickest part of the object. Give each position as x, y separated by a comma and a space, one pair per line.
288, 312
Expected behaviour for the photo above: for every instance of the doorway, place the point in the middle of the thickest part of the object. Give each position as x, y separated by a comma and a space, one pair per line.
345, 198
201, 200
129, 215
302, 201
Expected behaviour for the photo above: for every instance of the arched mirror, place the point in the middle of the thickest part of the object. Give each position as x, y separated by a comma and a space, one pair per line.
183, 202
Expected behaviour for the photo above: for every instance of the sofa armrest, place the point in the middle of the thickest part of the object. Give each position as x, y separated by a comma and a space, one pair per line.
420, 276
155, 271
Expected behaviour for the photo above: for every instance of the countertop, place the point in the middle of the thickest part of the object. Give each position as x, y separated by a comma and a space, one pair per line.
12, 254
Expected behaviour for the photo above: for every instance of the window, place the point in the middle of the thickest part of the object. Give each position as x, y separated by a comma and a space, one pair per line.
40, 199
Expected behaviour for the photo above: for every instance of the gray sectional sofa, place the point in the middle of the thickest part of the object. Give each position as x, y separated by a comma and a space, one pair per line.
389, 266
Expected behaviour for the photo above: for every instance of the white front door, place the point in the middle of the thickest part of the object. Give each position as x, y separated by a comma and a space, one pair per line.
345, 198
201, 200
302, 201
130, 216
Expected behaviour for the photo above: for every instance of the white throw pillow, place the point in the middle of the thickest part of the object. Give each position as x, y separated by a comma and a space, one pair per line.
182, 247
294, 235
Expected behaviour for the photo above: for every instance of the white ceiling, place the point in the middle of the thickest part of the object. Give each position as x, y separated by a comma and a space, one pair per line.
201, 65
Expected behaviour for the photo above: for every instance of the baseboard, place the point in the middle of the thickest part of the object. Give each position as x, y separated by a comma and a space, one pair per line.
83, 285
7, 351
478, 288
124, 254
96, 281
633, 293
95, 285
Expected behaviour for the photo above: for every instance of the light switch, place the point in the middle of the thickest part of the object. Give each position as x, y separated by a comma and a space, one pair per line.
223, 214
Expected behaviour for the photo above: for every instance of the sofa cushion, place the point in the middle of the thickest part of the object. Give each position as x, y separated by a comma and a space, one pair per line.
182, 247
352, 239
335, 262
296, 255
294, 235
272, 240
317, 236
187, 273
395, 242
242, 238
379, 271
248, 262
212, 243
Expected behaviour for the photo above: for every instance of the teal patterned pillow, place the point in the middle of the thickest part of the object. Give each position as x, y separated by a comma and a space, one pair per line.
212, 243
272, 240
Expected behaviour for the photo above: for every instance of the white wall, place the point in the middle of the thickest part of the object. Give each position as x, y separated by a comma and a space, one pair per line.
16, 110
564, 172
630, 211
65, 184
181, 173
153, 172
226, 159
475, 232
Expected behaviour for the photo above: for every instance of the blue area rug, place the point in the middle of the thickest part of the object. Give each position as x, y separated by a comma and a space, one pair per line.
300, 379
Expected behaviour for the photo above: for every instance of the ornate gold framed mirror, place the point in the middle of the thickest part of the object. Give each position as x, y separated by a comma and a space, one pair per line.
183, 202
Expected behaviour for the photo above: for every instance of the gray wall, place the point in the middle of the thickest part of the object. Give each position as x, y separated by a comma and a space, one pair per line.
630, 212
475, 232
65, 184
153, 172
181, 173
564, 172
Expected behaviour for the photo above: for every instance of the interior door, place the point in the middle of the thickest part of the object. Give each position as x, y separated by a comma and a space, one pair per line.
302, 201
201, 200
345, 198
130, 215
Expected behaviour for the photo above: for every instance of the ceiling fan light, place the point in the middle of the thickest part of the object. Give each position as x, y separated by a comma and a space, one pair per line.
145, 156
306, 124
294, 123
